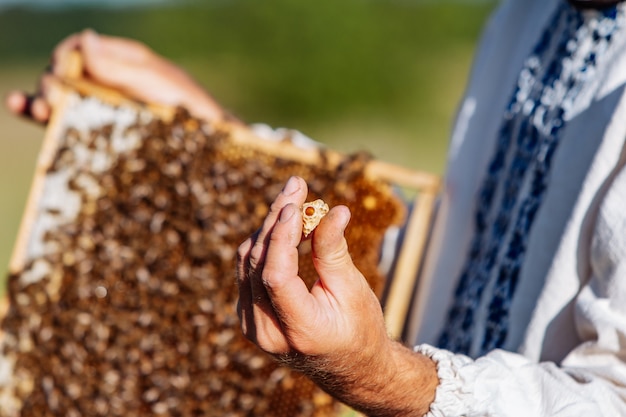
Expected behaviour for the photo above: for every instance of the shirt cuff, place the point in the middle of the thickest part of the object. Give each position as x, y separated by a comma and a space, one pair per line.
454, 397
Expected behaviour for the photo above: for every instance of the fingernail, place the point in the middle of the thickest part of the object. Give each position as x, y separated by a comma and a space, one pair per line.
344, 219
287, 213
292, 186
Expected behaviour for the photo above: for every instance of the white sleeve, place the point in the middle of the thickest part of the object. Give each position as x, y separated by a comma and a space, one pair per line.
590, 380
506, 384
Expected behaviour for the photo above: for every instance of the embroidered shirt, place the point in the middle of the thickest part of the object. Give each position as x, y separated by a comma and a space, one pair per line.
526, 267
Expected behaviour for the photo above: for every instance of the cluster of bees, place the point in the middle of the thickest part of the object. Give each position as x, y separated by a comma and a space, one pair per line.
135, 311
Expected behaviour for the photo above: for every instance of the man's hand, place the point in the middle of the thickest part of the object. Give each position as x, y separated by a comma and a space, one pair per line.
126, 65
334, 333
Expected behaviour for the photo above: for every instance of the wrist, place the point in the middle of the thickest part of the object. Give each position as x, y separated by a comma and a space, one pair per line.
393, 381
409, 386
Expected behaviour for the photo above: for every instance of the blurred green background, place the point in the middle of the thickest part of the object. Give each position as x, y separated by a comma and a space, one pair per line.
384, 76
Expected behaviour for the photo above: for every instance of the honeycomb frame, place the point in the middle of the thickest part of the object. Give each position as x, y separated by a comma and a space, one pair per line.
47, 212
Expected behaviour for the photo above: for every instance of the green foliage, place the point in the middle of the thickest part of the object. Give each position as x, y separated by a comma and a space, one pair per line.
280, 60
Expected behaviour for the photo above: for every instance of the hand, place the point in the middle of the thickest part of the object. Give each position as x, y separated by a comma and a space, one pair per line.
334, 333
126, 65
278, 311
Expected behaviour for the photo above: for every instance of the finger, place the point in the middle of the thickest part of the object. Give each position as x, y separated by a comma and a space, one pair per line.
281, 265
289, 295
40, 109
269, 330
262, 324
96, 48
32, 107
60, 53
295, 192
331, 256
17, 103
123, 49
114, 61
340, 280
134, 69
107, 59
244, 304
258, 322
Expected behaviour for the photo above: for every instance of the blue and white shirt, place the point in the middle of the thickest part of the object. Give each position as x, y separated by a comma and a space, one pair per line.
524, 288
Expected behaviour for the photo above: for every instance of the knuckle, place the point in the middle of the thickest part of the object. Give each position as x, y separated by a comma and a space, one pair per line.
243, 250
256, 255
276, 206
271, 344
271, 281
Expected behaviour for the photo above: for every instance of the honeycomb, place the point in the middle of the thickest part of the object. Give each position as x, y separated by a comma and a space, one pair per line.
126, 302
312, 214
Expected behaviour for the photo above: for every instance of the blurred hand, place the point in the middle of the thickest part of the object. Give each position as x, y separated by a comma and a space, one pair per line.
126, 65
334, 333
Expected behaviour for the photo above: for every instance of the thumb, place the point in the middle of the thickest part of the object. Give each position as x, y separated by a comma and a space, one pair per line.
330, 251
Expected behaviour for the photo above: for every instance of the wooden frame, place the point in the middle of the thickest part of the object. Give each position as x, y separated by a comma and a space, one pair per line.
409, 259
401, 285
